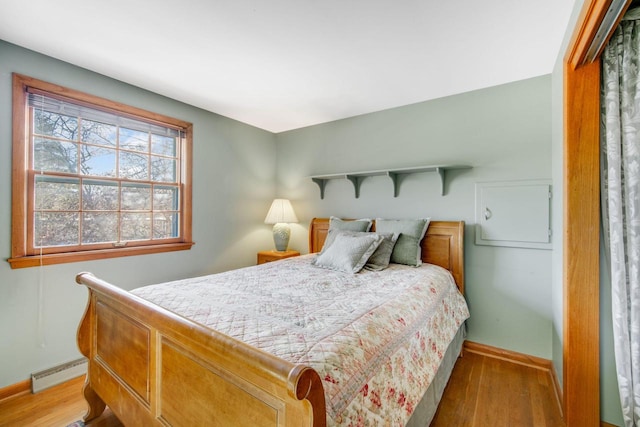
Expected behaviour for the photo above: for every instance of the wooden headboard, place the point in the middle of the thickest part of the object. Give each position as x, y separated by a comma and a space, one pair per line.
443, 244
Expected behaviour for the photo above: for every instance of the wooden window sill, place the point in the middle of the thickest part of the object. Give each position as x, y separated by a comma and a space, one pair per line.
50, 259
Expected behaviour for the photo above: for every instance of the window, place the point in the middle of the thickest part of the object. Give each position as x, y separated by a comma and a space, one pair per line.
95, 179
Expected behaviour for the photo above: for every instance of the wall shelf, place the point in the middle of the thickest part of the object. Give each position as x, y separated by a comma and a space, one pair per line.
396, 176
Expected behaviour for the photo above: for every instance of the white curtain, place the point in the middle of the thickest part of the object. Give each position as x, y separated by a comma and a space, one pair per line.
620, 168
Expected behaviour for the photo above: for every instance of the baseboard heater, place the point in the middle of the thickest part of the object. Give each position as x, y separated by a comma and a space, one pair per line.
58, 374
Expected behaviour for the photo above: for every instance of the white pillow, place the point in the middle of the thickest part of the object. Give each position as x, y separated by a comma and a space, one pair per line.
348, 253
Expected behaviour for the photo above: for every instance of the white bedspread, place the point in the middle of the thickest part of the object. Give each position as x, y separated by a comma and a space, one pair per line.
375, 338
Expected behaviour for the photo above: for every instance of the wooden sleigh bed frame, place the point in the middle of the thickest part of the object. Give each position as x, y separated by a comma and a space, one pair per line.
153, 367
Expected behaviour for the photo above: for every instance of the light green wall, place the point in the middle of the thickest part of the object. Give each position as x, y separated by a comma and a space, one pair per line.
503, 131
557, 204
234, 183
558, 221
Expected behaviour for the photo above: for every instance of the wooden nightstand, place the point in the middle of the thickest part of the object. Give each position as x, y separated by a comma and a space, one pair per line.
269, 256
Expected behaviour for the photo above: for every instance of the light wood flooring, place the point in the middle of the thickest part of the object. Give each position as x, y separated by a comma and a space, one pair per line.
486, 391
483, 391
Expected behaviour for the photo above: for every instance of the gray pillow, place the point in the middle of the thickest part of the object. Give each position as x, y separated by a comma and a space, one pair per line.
348, 253
355, 225
331, 236
407, 249
379, 260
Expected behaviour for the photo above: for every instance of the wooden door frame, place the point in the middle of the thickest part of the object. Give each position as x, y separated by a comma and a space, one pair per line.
581, 243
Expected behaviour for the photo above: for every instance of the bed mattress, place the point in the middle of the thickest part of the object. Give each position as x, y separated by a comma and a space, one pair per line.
377, 339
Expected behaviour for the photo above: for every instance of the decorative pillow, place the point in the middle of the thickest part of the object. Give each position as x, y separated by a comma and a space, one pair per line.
348, 253
331, 236
355, 225
379, 260
407, 249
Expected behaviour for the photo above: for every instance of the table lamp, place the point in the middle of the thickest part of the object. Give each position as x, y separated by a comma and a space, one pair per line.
280, 214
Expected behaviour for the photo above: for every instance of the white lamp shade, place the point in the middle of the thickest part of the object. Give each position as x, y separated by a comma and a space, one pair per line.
281, 211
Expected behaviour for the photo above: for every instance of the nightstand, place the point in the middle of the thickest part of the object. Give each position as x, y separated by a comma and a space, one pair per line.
269, 256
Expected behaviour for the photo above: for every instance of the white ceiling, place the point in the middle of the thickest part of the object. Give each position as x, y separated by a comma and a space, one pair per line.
285, 64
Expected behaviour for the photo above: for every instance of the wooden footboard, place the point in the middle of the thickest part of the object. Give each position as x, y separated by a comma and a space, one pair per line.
152, 367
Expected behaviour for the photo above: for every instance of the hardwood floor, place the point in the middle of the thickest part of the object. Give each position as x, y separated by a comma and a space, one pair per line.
483, 391
57, 406
486, 391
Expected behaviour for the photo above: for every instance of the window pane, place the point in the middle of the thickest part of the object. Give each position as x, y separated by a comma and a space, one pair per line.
91, 173
53, 124
98, 133
60, 194
135, 226
165, 225
99, 227
100, 196
136, 197
134, 140
98, 161
163, 170
163, 145
165, 198
56, 228
54, 156
134, 166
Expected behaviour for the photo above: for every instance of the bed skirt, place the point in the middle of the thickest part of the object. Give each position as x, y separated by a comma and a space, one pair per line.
426, 409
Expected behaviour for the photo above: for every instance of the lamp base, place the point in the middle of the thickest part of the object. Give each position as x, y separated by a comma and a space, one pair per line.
281, 234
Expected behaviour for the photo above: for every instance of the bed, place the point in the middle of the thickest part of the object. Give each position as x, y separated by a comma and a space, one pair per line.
154, 366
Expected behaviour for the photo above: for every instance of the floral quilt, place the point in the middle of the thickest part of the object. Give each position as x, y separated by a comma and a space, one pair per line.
375, 338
